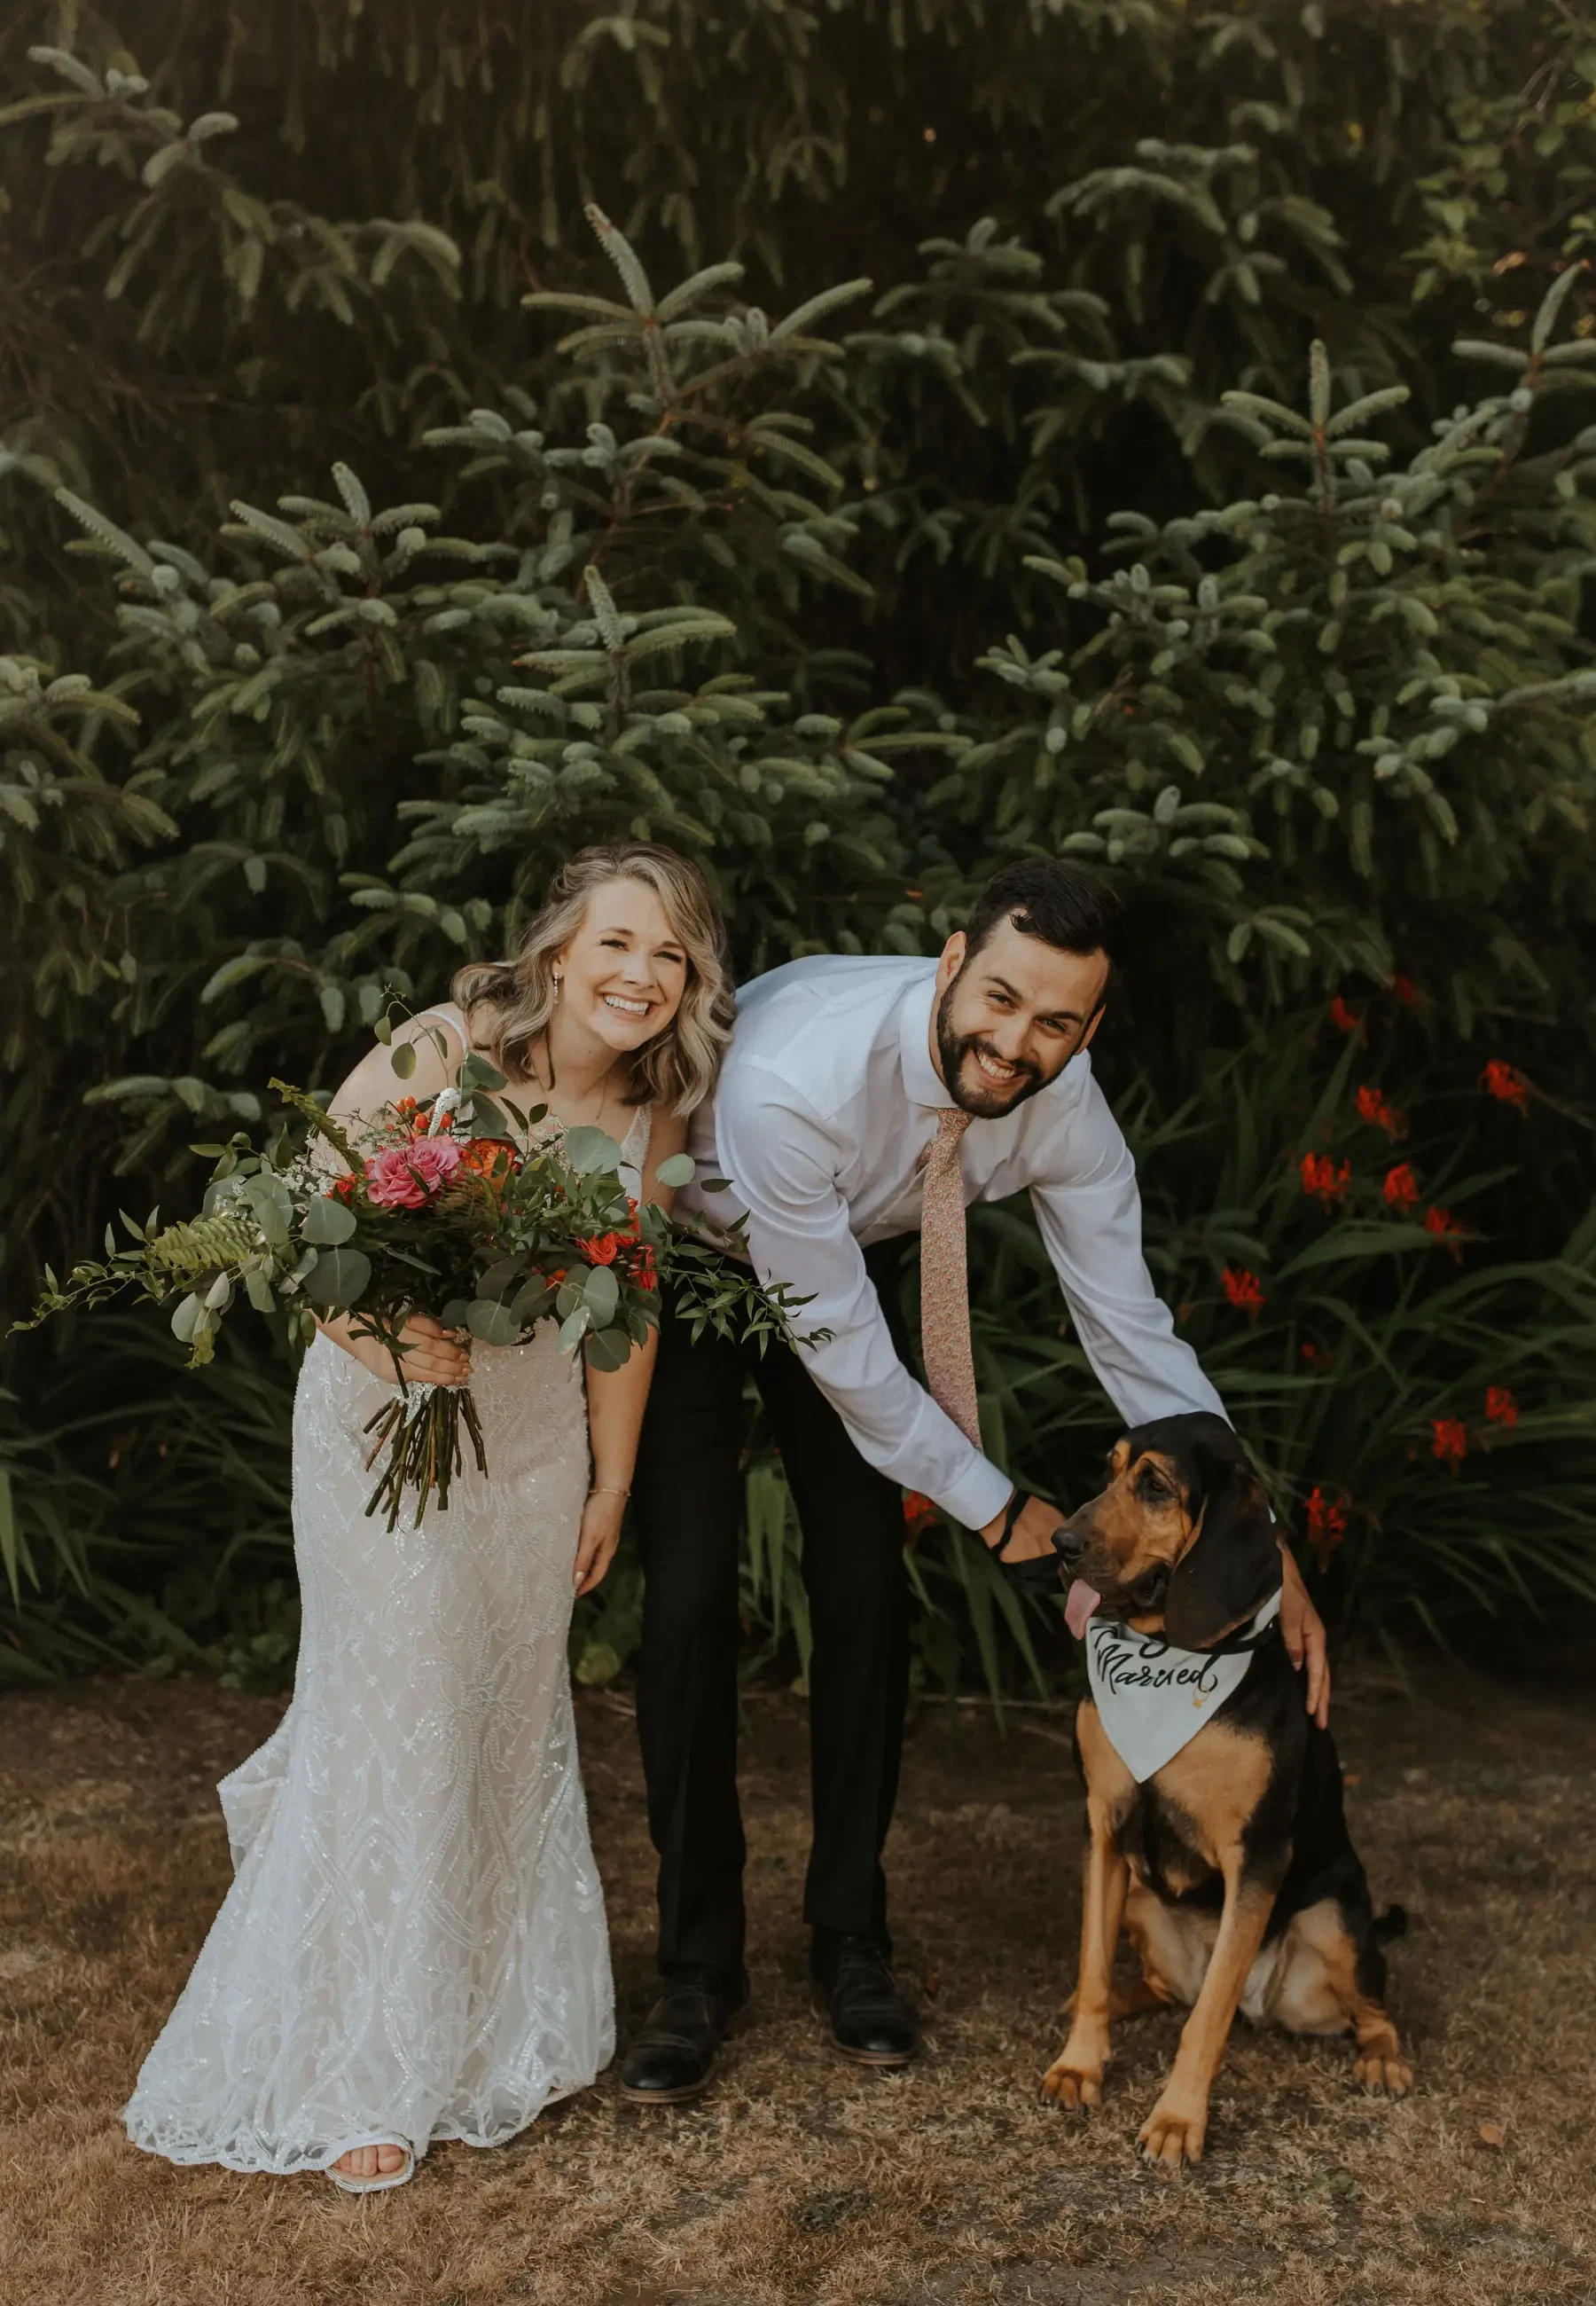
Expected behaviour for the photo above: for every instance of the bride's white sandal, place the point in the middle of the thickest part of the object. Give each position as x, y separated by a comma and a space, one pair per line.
381, 2181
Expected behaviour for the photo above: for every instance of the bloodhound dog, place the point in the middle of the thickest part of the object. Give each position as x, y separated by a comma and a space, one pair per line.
1230, 1865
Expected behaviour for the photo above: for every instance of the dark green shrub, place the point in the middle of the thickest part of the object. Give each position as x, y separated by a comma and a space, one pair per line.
1318, 698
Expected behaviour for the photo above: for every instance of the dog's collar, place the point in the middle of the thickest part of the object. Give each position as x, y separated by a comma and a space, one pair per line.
1263, 1625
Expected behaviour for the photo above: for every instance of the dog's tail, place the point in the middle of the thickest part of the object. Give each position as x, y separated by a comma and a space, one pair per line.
1392, 1924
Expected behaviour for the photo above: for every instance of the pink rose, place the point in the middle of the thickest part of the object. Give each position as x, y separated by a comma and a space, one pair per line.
406, 1176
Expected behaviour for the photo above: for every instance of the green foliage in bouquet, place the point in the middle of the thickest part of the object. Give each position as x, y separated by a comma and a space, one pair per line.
918, 459
488, 1235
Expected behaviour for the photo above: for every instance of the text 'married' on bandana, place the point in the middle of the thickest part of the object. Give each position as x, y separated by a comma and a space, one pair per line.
1152, 1700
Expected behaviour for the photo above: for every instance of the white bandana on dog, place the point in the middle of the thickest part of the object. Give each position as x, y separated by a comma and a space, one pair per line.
1152, 1700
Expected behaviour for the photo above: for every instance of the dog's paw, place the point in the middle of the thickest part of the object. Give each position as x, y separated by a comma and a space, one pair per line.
1173, 2135
1383, 2073
1074, 2085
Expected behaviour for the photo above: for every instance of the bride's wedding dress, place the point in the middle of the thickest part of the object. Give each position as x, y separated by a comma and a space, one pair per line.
413, 1945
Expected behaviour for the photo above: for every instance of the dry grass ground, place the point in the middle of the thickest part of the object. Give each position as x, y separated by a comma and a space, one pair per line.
801, 2178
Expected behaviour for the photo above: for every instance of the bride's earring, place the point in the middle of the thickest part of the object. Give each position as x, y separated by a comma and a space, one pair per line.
557, 988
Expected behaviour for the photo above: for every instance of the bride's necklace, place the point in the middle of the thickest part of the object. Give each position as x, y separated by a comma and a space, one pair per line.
598, 1119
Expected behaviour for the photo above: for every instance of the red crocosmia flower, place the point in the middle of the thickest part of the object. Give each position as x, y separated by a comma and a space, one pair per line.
603, 1250
1447, 1229
1373, 1108
1244, 1290
1506, 1083
1500, 1408
1401, 1187
1324, 1179
1327, 1523
918, 1513
1403, 989
1451, 1440
1317, 1357
1343, 1019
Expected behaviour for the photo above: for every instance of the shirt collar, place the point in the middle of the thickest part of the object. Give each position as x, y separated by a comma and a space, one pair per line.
921, 1080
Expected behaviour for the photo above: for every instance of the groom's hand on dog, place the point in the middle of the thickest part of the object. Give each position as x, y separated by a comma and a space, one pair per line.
1023, 1543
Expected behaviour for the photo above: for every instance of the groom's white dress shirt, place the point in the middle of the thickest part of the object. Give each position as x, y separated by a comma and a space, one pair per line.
826, 1106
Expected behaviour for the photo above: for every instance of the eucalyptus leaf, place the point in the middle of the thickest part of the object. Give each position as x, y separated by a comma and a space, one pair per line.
476, 1072
273, 1206
572, 1328
590, 1151
339, 1277
608, 1349
679, 1170
259, 1290
531, 1302
402, 1057
186, 1318
484, 1111
498, 1278
602, 1291
327, 1222
492, 1323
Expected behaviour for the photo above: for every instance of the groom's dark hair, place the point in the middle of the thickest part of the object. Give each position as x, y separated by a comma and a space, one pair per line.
1049, 898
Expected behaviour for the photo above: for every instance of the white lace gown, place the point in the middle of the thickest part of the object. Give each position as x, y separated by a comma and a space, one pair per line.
413, 1946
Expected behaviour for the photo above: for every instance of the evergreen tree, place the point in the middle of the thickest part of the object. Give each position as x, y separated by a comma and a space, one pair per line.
375, 537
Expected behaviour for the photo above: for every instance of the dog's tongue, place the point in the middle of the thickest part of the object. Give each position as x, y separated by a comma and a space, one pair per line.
1078, 1604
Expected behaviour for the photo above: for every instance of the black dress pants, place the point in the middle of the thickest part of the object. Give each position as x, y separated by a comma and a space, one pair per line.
688, 1491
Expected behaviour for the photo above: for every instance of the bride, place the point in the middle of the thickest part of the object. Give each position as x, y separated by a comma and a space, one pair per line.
414, 1944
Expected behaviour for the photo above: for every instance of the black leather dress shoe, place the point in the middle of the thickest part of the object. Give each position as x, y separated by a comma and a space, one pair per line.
673, 2057
872, 2023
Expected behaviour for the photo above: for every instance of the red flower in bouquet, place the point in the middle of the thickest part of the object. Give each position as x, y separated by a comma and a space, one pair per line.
494, 1160
419, 1118
1327, 1523
603, 1250
1401, 1187
1450, 1443
1323, 1179
1505, 1083
1372, 1107
1501, 1408
408, 1177
1244, 1290
344, 1188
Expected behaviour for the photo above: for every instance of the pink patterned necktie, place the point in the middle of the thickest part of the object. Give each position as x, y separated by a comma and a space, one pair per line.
944, 1285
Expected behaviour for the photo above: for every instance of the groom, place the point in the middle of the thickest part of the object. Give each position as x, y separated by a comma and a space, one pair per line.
864, 1101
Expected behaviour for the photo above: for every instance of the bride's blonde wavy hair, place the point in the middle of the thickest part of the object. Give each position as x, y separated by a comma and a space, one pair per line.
507, 1004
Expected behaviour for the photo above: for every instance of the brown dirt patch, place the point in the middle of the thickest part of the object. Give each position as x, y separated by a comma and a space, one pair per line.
800, 2180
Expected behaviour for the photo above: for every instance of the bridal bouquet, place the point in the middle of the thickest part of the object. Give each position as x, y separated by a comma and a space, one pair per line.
436, 1209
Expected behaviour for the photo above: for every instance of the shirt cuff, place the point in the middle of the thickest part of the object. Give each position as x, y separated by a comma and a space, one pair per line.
979, 1495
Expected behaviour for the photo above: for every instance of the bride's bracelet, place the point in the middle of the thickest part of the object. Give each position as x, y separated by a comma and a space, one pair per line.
607, 1490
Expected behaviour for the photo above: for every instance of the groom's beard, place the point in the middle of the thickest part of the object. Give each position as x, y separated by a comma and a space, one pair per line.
986, 1102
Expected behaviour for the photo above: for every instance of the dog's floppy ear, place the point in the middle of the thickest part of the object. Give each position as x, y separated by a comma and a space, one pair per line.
1233, 1565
